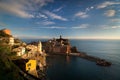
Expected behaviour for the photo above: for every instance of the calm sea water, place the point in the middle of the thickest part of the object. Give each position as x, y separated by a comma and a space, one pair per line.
75, 68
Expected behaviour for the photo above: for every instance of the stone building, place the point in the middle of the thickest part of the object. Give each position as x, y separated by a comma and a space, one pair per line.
59, 46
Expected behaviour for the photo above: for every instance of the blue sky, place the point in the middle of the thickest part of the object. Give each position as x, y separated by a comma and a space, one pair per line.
84, 19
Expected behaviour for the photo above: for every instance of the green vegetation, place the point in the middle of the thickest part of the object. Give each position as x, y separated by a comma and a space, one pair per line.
8, 71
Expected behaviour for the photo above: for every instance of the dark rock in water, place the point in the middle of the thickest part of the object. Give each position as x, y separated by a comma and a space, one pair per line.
100, 62
74, 49
103, 63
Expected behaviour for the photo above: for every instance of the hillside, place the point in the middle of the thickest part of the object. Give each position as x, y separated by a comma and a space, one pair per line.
8, 71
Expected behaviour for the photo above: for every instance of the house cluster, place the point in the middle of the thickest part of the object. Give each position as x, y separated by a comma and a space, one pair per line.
60, 45
32, 52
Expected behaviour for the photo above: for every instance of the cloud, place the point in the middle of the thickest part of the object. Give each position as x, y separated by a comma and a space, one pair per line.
58, 9
46, 23
115, 20
89, 8
41, 16
82, 26
42, 2
15, 9
54, 27
114, 27
109, 27
23, 36
55, 16
22, 8
110, 13
81, 15
107, 3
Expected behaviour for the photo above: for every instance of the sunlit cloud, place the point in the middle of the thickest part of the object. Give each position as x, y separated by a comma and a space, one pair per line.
107, 3
110, 13
81, 14
114, 27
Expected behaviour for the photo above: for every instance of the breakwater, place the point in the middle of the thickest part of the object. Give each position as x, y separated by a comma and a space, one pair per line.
98, 61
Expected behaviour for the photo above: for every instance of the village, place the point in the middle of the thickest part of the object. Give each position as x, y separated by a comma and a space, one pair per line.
31, 57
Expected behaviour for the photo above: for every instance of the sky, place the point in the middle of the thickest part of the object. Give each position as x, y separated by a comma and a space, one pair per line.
77, 19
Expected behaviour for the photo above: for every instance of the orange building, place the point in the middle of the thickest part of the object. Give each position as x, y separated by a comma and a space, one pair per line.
6, 31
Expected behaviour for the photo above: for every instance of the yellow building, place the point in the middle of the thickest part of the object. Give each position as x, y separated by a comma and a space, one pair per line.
31, 67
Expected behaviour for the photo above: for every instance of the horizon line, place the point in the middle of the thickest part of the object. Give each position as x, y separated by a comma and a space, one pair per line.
69, 38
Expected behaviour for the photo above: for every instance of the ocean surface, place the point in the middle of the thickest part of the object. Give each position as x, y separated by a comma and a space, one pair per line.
75, 68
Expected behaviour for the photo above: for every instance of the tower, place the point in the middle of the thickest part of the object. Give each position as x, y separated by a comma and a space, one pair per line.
39, 47
60, 37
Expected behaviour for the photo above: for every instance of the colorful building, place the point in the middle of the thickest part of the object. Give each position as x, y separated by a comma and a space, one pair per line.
31, 67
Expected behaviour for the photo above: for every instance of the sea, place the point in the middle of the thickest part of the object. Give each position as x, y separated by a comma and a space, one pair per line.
76, 68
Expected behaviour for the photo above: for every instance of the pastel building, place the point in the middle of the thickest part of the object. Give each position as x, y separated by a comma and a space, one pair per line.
11, 41
31, 67
19, 51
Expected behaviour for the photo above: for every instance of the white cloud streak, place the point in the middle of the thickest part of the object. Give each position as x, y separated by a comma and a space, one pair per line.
46, 23
81, 14
110, 13
41, 16
22, 8
58, 9
82, 26
89, 8
106, 4
54, 27
55, 16
109, 27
